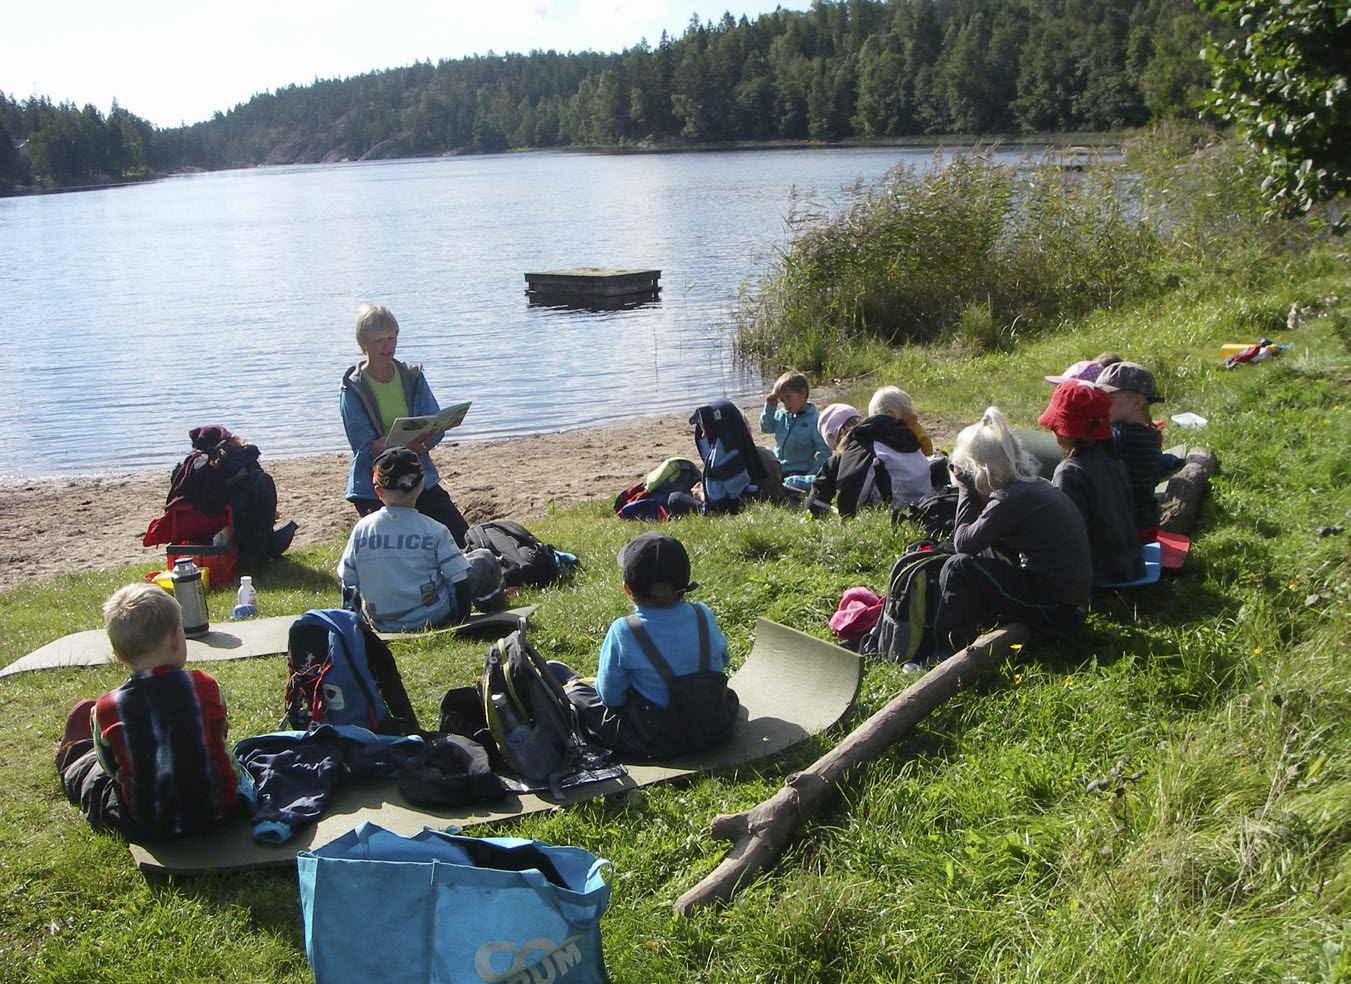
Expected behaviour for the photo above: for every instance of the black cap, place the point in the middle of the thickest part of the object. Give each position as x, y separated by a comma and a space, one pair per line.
399, 469
652, 558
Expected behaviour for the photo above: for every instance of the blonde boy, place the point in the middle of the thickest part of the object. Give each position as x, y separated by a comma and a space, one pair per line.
149, 759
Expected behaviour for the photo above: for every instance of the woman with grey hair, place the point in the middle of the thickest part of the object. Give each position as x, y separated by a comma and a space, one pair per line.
374, 394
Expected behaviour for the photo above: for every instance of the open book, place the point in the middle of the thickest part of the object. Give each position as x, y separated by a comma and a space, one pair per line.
407, 429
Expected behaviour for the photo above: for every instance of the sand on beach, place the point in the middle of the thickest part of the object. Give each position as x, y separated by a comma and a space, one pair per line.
78, 524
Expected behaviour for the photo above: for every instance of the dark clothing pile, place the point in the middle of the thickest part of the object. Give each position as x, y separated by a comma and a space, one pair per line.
221, 471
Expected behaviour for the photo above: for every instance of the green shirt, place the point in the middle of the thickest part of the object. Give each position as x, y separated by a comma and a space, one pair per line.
389, 400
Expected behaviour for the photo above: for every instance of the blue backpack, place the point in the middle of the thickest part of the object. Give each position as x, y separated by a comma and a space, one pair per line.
338, 671
732, 465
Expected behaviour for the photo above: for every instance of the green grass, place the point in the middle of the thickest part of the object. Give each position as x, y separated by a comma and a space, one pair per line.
1163, 798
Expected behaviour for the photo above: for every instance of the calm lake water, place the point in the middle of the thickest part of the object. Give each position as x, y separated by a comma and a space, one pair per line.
136, 313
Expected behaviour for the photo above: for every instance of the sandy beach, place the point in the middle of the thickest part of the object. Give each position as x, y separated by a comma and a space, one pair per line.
78, 524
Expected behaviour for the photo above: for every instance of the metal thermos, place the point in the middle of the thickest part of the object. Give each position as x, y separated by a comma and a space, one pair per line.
191, 597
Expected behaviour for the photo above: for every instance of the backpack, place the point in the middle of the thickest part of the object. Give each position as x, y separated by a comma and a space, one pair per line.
338, 671
535, 727
904, 631
524, 559
702, 710
649, 499
732, 465
936, 513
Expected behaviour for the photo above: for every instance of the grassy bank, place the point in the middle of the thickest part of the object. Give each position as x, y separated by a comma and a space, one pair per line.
1214, 705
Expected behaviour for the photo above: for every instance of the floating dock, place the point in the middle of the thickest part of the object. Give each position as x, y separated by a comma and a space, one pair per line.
582, 285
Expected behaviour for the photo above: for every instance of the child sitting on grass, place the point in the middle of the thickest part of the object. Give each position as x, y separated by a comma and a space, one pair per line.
880, 459
835, 423
1138, 441
895, 402
1022, 550
660, 689
149, 759
792, 419
404, 566
1095, 479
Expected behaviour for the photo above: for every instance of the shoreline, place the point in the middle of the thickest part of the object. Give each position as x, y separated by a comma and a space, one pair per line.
87, 523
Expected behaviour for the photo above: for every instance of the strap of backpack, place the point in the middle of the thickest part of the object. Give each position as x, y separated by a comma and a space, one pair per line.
655, 657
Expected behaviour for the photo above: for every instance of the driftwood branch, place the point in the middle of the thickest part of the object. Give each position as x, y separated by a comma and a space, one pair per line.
1183, 494
760, 835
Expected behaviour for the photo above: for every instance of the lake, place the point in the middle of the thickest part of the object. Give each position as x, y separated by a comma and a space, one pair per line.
140, 311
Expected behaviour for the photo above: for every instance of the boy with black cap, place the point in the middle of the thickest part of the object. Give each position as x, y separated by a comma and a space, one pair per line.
406, 567
1138, 441
661, 687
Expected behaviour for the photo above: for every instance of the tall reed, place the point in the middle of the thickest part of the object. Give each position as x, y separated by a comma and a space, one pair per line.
969, 249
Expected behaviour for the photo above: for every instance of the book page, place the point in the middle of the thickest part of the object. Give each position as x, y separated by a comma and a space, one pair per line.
407, 429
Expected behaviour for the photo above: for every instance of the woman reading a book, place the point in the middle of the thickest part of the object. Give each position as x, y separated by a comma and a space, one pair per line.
375, 394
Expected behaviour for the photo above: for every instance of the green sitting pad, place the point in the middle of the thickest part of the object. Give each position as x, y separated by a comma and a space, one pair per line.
791, 686
228, 640
1041, 445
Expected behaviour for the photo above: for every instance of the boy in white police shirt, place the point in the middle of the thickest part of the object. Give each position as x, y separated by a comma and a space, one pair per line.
405, 566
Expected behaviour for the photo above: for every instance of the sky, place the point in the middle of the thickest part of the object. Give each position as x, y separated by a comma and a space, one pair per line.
180, 61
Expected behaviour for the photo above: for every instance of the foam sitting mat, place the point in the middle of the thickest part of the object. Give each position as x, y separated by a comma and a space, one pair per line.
791, 686
230, 640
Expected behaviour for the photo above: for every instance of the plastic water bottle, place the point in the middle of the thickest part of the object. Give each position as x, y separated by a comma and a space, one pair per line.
246, 599
191, 597
517, 731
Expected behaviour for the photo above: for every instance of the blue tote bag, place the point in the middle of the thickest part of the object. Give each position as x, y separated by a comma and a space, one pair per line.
438, 908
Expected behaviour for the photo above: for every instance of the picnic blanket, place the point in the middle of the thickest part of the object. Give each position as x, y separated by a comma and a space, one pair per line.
791, 686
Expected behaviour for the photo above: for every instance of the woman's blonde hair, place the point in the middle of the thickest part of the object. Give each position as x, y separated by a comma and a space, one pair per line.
992, 455
373, 321
892, 401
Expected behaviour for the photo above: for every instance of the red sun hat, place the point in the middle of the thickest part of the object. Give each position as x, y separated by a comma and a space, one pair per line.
1078, 412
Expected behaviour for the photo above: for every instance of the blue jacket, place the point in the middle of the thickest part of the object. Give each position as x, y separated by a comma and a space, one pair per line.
798, 443
361, 421
675, 632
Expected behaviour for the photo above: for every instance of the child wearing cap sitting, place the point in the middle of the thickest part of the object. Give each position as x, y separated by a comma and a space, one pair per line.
1138, 441
661, 688
150, 759
404, 566
1095, 479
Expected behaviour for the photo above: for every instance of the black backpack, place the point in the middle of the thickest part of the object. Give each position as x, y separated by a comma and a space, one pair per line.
338, 671
524, 559
533, 723
702, 711
732, 468
904, 630
936, 513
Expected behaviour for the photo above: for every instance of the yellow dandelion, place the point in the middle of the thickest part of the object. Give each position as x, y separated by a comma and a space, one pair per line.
1069, 683
1017, 647
1257, 651
1017, 679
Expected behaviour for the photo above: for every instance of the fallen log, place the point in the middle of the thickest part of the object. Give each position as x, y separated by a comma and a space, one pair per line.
760, 835
1183, 494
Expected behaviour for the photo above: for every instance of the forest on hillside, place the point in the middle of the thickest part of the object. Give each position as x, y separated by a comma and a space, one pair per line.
872, 69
